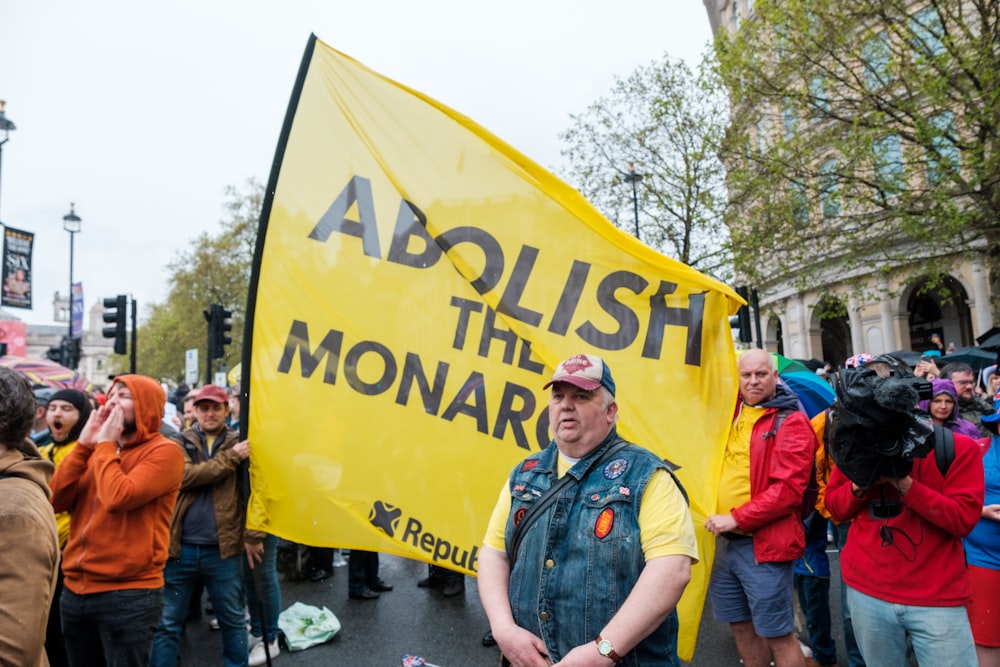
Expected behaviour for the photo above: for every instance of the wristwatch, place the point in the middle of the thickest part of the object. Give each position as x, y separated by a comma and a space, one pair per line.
605, 648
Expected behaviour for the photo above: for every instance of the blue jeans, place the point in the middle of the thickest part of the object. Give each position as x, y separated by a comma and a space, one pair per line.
223, 578
270, 593
113, 629
941, 636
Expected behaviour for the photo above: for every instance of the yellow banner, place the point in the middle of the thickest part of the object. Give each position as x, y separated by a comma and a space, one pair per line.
417, 281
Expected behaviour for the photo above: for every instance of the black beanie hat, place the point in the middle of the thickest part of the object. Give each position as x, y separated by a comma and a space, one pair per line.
78, 400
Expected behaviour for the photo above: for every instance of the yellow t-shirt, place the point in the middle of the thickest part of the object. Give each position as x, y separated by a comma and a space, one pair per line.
734, 485
56, 454
665, 526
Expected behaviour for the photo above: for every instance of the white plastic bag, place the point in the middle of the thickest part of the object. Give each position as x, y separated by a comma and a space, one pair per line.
305, 626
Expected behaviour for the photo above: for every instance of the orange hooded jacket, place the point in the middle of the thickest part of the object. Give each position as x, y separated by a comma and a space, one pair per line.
121, 499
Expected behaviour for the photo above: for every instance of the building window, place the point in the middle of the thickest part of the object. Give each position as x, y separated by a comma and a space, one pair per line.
789, 119
829, 189
800, 203
927, 32
945, 157
887, 154
761, 136
736, 15
818, 96
875, 56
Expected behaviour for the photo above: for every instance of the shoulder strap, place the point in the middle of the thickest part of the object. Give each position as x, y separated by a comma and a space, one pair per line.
680, 487
944, 448
550, 496
779, 419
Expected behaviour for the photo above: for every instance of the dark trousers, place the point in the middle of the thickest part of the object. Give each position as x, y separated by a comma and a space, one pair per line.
318, 558
441, 576
362, 570
55, 648
113, 629
814, 598
854, 658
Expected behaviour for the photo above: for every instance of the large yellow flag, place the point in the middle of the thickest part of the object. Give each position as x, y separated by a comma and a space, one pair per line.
416, 282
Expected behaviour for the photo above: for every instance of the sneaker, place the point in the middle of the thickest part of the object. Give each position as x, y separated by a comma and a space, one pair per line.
257, 656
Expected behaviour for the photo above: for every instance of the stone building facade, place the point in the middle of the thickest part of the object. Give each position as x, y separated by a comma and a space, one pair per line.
830, 321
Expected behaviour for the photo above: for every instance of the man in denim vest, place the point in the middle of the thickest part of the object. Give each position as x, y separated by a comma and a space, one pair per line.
597, 575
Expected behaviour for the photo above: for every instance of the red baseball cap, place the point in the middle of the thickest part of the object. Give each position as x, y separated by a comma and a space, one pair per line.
214, 393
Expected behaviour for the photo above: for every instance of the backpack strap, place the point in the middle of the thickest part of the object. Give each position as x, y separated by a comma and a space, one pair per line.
550, 496
944, 448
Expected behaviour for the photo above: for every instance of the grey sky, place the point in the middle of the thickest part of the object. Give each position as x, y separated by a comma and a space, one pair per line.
143, 112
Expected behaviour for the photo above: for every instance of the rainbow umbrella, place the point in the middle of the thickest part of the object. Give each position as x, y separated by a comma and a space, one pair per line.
42, 373
814, 392
786, 365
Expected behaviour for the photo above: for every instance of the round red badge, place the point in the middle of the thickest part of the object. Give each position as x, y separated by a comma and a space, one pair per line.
605, 521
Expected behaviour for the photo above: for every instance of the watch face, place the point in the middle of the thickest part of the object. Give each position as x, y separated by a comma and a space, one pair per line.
604, 647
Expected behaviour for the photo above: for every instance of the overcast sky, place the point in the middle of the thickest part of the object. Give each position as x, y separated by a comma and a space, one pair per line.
141, 113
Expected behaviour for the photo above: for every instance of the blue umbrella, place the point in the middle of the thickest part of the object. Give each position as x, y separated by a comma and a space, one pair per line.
814, 392
976, 357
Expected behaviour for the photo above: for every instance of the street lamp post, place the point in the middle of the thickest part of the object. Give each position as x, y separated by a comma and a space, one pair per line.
71, 223
633, 178
6, 125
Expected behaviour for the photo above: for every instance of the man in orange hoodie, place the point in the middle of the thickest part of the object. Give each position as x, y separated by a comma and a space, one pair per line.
120, 484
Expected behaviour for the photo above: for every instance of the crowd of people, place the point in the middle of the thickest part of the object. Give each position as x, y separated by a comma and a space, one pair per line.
147, 511
142, 514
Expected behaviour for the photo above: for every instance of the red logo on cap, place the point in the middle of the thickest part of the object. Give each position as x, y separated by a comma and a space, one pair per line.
577, 364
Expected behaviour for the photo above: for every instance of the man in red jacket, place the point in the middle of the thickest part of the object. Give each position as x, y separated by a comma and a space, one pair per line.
120, 484
758, 528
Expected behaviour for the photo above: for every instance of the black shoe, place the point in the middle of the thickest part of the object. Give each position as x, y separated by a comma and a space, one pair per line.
488, 639
431, 582
380, 587
319, 575
364, 594
453, 588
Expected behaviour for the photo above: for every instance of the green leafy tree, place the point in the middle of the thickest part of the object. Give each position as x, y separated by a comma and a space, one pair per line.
864, 134
215, 269
667, 121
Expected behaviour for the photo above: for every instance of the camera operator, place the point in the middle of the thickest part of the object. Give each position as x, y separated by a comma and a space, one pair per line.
908, 520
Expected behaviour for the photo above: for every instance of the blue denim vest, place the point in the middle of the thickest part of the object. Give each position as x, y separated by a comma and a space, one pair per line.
580, 559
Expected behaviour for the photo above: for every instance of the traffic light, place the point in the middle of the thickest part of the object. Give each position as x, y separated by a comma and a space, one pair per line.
73, 351
219, 326
57, 353
114, 312
741, 320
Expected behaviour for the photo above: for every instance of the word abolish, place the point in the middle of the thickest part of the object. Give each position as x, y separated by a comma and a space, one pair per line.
579, 288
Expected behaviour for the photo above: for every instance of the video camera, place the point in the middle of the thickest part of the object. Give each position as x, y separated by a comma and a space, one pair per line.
878, 430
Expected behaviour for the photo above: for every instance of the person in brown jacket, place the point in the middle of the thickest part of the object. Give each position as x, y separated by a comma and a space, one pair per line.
119, 484
206, 533
29, 543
